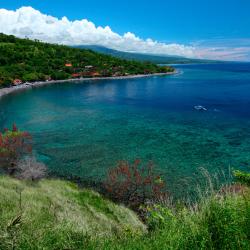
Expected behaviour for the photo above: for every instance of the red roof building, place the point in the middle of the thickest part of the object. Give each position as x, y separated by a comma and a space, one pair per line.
68, 65
76, 75
95, 74
17, 82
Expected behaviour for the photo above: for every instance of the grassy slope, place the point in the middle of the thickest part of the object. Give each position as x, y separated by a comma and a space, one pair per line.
216, 223
56, 213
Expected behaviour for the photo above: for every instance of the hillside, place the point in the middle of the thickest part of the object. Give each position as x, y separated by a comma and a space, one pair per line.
53, 211
55, 214
158, 59
25, 60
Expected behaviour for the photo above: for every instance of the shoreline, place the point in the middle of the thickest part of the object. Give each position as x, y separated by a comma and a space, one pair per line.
24, 86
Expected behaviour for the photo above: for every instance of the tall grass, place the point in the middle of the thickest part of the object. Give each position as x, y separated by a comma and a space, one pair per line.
218, 219
55, 214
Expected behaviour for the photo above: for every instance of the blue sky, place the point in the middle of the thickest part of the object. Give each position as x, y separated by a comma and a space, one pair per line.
209, 26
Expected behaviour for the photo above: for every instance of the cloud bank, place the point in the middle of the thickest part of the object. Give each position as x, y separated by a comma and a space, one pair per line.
31, 23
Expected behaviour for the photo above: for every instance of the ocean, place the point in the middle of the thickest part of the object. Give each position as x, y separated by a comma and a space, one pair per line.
197, 119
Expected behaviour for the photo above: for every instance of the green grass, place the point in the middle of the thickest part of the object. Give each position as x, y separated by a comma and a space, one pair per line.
215, 223
55, 214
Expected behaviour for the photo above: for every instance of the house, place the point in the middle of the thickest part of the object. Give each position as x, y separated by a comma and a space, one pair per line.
86, 74
68, 65
48, 78
17, 82
95, 74
76, 75
117, 74
146, 71
88, 67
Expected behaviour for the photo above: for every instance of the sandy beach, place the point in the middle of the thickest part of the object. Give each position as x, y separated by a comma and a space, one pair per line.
6, 91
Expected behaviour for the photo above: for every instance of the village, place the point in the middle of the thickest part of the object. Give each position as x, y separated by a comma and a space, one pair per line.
88, 71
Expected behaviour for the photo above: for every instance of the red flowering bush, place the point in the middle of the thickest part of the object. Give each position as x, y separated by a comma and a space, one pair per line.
14, 145
133, 184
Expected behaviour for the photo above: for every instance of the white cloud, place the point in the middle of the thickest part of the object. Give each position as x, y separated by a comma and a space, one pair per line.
28, 22
224, 49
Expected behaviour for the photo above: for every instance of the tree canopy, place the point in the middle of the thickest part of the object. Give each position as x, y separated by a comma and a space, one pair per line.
30, 60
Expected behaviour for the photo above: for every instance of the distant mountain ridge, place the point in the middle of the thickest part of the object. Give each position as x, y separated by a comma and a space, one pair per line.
159, 59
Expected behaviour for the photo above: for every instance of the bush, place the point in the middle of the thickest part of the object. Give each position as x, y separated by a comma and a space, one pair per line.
157, 216
30, 169
133, 185
227, 222
242, 177
30, 77
14, 145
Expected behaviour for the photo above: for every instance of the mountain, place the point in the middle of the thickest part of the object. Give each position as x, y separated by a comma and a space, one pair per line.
158, 59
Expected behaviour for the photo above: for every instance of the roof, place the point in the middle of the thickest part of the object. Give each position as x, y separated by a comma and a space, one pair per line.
17, 81
95, 74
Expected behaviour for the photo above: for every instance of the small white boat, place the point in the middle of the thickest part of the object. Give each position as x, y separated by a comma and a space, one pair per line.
199, 107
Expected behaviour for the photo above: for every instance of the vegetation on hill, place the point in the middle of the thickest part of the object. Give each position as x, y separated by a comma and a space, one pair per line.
159, 59
28, 60
217, 222
55, 214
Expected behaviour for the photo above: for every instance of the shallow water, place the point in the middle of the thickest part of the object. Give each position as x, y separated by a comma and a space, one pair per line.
84, 128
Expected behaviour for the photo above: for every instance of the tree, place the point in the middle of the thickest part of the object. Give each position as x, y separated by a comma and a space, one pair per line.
133, 184
30, 77
14, 145
31, 61
30, 169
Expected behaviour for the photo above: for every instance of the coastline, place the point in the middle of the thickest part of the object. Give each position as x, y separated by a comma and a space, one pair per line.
12, 89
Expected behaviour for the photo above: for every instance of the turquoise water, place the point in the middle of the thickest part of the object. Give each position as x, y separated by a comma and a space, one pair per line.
81, 129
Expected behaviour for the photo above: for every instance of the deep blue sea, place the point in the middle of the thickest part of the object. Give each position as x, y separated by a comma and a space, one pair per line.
84, 128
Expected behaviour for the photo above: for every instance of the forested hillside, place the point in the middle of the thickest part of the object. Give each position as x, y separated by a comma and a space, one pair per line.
28, 60
158, 59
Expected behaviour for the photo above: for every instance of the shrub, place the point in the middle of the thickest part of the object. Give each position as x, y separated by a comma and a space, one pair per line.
157, 216
133, 185
14, 145
227, 222
30, 169
242, 177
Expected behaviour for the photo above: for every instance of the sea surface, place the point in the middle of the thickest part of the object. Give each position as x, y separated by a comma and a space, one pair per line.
84, 128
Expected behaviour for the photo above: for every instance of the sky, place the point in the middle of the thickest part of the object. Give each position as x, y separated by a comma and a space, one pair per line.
214, 29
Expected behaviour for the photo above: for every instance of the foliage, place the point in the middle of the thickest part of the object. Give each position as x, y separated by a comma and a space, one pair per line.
242, 177
33, 60
157, 216
215, 223
14, 144
30, 169
227, 223
56, 214
133, 184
